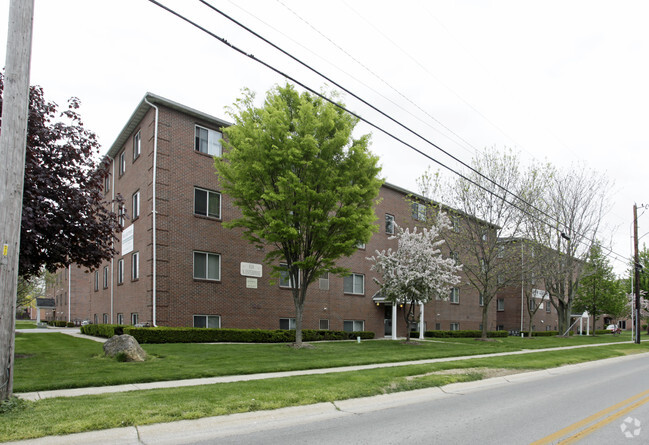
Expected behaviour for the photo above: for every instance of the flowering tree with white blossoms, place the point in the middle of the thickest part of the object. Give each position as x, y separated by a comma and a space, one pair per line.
416, 272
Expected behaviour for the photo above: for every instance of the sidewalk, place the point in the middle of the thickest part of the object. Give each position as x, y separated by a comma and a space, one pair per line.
38, 395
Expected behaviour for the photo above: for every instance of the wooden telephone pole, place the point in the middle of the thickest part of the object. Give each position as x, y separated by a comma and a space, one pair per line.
13, 137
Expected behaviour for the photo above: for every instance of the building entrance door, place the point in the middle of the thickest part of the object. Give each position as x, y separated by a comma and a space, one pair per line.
388, 319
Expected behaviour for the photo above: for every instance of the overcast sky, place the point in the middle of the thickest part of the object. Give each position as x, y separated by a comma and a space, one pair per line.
559, 81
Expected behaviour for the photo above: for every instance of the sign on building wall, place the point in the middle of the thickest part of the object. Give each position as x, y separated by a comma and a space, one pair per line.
127, 240
251, 270
251, 283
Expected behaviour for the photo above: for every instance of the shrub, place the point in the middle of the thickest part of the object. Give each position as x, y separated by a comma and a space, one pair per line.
102, 330
541, 333
208, 335
69, 324
58, 323
464, 334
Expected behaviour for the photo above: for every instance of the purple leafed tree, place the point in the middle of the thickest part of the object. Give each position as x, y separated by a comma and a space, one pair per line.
65, 216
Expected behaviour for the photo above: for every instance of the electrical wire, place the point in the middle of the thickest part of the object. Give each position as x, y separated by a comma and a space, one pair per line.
360, 118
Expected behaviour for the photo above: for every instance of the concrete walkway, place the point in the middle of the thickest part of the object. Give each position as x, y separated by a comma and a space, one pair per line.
38, 395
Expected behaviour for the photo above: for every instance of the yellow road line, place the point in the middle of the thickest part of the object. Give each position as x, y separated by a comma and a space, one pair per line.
582, 423
580, 435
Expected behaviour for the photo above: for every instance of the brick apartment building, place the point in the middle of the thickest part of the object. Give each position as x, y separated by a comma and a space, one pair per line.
178, 266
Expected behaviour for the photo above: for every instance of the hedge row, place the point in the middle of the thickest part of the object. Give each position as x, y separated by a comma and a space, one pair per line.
103, 330
464, 334
207, 335
60, 324
541, 333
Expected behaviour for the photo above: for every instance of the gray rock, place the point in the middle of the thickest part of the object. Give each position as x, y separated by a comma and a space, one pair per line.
127, 345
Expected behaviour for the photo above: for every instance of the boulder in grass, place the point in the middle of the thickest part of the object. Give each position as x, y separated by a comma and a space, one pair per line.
125, 348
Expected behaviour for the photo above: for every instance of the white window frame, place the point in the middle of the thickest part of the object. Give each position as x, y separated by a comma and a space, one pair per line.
214, 147
137, 145
418, 211
107, 179
323, 281
207, 265
455, 326
389, 224
291, 322
135, 266
120, 271
120, 318
454, 298
354, 290
323, 322
500, 304
121, 215
136, 206
105, 277
480, 299
135, 318
105, 318
355, 324
207, 318
207, 192
122, 162
96, 280
285, 280
548, 309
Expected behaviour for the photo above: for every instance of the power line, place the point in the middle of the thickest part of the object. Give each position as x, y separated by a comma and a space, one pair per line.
360, 118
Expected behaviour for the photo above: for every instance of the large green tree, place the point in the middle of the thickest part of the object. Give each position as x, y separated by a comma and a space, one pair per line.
599, 291
305, 186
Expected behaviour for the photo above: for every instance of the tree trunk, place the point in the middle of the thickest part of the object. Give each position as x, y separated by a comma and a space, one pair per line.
299, 309
485, 314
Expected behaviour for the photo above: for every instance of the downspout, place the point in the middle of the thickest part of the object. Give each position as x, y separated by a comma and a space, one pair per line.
112, 209
153, 213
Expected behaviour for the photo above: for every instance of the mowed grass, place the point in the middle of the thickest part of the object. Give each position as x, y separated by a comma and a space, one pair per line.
68, 415
25, 324
81, 362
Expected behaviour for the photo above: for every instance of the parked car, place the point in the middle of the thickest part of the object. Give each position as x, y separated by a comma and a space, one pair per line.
614, 329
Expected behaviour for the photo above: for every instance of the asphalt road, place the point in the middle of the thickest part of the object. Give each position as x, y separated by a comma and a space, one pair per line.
589, 405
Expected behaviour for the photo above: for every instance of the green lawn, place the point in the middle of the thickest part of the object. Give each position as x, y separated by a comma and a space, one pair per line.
25, 324
69, 415
80, 362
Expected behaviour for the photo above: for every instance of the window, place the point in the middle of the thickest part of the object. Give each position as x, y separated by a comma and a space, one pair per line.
120, 271
324, 325
500, 304
207, 321
122, 163
438, 326
354, 284
389, 224
136, 205
547, 327
455, 326
120, 318
287, 323
481, 299
207, 266
500, 327
501, 251
135, 266
107, 183
121, 215
105, 318
455, 295
134, 318
418, 211
285, 280
96, 280
622, 324
323, 281
137, 145
547, 308
532, 279
105, 277
207, 203
95, 319
353, 325
207, 141
456, 224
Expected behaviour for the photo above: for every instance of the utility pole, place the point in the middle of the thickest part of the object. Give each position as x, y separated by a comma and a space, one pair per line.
636, 274
13, 137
